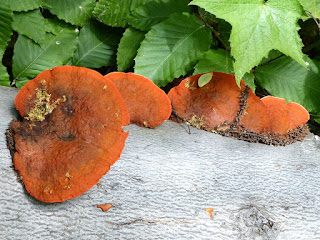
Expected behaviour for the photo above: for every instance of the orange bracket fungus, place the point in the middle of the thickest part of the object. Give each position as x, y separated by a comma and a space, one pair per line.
148, 105
70, 134
217, 104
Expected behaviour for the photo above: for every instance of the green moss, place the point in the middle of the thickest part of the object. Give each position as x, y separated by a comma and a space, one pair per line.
43, 105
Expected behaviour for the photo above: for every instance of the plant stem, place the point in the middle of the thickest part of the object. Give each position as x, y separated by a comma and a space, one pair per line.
215, 32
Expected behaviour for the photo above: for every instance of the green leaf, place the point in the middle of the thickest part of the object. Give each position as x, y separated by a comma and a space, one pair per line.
31, 24
128, 47
115, 12
23, 5
76, 12
4, 76
258, 27
204, 79
313, 6
172, 47
144, 17
97, 46
220, 61
29, 59
287, 79
6, 16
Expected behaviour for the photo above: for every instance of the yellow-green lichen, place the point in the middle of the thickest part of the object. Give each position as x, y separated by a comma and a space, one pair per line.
43, 105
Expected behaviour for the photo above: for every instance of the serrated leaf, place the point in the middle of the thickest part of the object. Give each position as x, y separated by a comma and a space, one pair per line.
6, 17
287, 79
312, 6
114, 12
24, 5
31, 24
97, 46
29, 59
257, 28
4, 76
153, 12
220, 61
76, 12
204, 79
172, 47
128, 47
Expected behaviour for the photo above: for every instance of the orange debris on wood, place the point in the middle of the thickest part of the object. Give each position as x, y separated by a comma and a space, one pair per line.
105, 207
222, 107
148, 105
70, 134
210, 211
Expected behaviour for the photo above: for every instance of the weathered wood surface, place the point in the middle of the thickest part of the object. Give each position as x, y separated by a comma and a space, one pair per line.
163, 183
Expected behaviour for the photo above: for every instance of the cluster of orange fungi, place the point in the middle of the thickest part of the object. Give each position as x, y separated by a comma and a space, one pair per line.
72, 119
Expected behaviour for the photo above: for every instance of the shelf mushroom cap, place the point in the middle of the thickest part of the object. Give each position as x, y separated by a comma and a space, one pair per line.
148, 105
70, 134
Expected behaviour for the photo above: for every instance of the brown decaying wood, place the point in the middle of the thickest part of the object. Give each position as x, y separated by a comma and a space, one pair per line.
221, 106
67, 152
148, 105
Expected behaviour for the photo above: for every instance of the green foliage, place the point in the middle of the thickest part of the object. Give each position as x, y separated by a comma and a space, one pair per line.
171, 48
31, 24
220, 61
30, 59
204, 79
76, 12
115, 12
97, 46
23, 5
257, 28
153, 12
287, 79
312, 6
265, 43
128, 47
5, 26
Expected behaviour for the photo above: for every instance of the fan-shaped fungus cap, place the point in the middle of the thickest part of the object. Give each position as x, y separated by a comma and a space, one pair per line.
148, 105
221, 106
71, 132
211, 106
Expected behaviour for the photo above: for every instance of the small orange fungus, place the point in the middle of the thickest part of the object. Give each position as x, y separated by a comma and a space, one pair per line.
148, 105
210, 211
105, 207
70, 134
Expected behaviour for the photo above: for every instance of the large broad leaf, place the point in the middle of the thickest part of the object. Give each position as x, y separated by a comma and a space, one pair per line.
115, 12
172, 47
24, 5
153, 12
29, 59
5, 27
76, 12
258, 26
97, 46
128, 47
220, 61
312, 6
31, 24
287, 79
4, 76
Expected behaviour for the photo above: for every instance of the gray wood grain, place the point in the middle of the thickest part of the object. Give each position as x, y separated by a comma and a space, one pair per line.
163, 183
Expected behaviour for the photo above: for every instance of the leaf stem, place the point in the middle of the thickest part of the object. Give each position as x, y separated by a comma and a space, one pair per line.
215, 32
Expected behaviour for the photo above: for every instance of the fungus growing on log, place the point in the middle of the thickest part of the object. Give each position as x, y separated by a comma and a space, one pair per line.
148, 105
220, 106
70, 134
